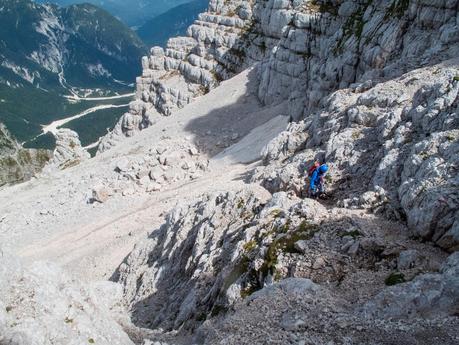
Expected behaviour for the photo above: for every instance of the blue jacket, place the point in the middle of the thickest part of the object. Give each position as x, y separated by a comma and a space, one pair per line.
317, 176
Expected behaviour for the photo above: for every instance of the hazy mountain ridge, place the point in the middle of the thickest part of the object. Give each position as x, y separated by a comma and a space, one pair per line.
48, 52
132, 12
175, 22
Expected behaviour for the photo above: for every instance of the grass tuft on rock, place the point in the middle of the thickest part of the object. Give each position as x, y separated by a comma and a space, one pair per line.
395, 278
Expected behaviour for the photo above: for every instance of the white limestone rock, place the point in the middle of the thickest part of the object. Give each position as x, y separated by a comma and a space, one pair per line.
42, 305
428, 295
68, 151
391, 149
203, 239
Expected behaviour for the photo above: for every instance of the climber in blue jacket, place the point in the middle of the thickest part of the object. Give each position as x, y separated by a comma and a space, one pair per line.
317, 183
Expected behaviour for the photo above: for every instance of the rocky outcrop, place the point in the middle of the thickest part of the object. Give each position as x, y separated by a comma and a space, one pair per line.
16, 163
41, 304
327, 45
198, 245
393, 148
301, 312
288, 265
68, 151
427, 295
377, 92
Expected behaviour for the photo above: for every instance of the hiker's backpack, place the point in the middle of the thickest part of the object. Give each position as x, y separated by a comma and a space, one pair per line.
313, 168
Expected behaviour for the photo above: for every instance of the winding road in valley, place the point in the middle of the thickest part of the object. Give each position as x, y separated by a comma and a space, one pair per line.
53, 126
75, 97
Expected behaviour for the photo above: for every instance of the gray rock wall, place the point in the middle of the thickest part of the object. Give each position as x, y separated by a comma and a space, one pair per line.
392, 148
305, 50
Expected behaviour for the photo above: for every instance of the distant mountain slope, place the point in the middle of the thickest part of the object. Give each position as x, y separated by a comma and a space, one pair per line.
172, 23
132, 12
16, 163
47, 52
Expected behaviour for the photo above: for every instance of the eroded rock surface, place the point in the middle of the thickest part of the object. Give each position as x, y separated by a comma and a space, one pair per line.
393, 149
41, 304
304, 50
375, 87
242, 267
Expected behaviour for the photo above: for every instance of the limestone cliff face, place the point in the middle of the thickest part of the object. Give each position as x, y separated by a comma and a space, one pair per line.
16, 163
305, 49
214, 49
328, 45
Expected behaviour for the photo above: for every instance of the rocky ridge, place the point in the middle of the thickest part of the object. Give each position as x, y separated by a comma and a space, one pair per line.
236, 258
189, 66
399, 139
392, 127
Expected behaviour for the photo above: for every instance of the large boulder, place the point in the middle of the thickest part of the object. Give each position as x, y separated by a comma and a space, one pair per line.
68, 151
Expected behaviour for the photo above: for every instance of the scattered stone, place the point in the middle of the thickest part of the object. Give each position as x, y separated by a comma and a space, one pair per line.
153, 187
301, 246
144, 181
100, 194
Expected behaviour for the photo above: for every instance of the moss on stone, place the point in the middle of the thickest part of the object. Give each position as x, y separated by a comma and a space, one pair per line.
395, 278
249, 246
353, 26
355, 134
276, 213
450, 137
354, 233
286, 244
